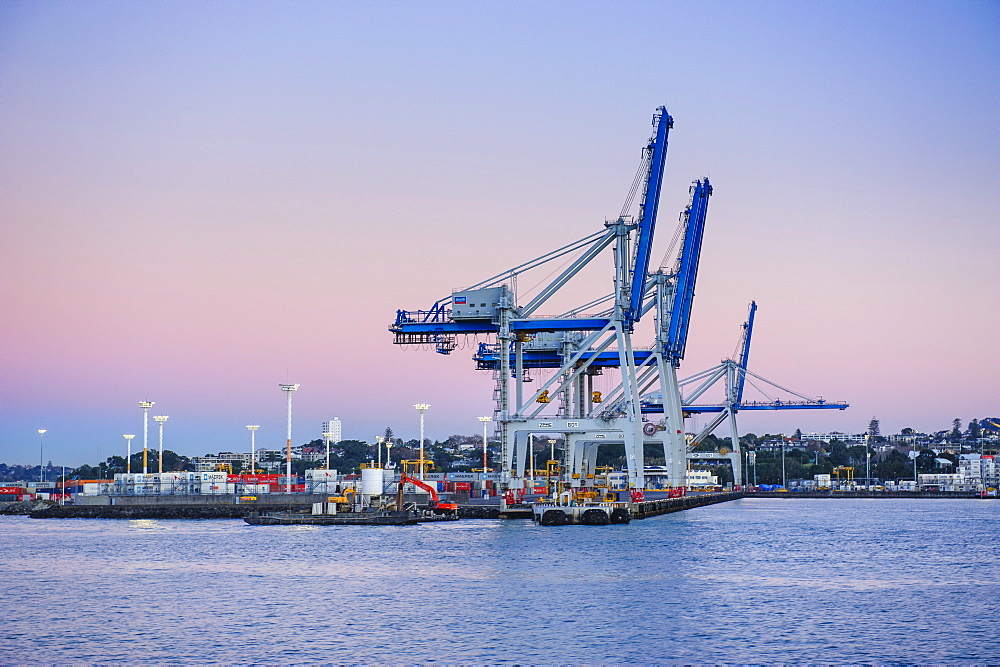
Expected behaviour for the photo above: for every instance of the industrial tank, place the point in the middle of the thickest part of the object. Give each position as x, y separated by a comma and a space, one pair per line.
371, 481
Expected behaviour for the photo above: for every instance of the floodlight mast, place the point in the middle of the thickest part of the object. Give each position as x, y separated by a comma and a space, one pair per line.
145, 405
41, 454
288, 389
128, 452
422, 408
159, 420
253, 449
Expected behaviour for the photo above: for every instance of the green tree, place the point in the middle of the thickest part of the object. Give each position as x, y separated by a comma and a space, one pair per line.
975, 431
873, 428
956, 431
925, 460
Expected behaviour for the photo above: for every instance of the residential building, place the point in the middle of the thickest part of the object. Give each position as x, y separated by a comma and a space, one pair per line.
333, 427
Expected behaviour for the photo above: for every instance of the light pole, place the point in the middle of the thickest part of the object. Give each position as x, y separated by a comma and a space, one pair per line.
485, 421
253, 448
531, 448
379, 439
128, 452
783, 461
868, 466
288, 389
548, 469
326, 436
41, 454
145, 405
159, 420
422, 408
388, 453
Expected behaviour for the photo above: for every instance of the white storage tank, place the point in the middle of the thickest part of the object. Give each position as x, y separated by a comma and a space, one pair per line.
371, 481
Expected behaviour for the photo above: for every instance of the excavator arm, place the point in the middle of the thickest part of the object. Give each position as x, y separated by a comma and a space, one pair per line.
435, 504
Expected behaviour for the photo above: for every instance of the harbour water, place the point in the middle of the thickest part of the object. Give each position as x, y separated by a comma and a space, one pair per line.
756, 580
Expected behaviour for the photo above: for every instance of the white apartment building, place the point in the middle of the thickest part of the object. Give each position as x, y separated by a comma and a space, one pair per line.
333, 426
212, 462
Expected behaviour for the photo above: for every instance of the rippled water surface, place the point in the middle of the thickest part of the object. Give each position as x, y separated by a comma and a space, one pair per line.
763, 580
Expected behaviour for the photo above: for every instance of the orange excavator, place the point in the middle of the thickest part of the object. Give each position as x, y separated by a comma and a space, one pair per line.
436, 505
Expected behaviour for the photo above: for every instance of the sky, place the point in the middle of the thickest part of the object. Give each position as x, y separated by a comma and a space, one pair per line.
203, 200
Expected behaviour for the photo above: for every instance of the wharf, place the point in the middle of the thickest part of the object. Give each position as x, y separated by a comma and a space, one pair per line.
604, 513
648, 508
867, 494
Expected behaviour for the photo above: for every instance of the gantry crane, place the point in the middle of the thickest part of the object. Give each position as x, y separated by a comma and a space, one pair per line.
490, 308
579, 344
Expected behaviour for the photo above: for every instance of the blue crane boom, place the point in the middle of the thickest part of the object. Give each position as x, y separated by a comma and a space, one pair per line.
745, 352
657, 150
687, 272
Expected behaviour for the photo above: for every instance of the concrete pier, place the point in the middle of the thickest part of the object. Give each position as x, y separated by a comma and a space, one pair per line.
648, 508
600, 514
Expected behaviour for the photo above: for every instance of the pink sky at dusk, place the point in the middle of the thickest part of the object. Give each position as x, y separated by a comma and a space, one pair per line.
200, 201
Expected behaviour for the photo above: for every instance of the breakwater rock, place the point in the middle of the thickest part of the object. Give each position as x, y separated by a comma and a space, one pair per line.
24, 507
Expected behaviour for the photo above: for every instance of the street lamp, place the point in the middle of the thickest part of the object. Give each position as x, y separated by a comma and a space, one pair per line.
253, 448
145, 405
288, 389
485, 421
128, 452
531, 448
422, 408
868, 466
159, 420
783, 461
41, 454
378, 445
